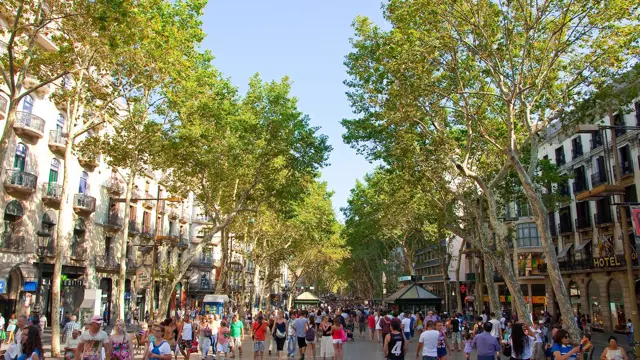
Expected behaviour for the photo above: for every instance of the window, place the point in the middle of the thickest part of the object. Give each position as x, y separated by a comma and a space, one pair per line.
204, 281
60, 123
107, 246
84, 183
20, 157
146, 220
560, 159
27, 104
528, 235
132, 213
54, 170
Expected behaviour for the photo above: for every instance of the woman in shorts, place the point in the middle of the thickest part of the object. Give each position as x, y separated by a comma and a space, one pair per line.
337, 335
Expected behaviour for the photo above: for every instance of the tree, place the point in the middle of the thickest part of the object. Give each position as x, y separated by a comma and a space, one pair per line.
496, 72
236, 154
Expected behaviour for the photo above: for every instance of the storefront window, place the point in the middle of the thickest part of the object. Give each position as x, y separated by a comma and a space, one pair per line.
574, 293
595, 306
616, 305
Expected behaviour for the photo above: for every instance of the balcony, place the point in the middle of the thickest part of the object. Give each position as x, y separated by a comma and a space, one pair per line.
78, 252
148, 204
583, 223
57, 141
3, 107
114, 222
171, 236
604, 218
565, 227
84, 204
173, 215
107, 262
595, 142
114, 187
20, 181
89, 161
12, 243
625, 170
203, 261
564, 191
470, 277
579, 186
184, 219
131, 264
576, 152
598, 178
27, 124
553, 229
147, 232
560, 160
202, 286
201, 219
196, 239
182, 243
134, 228
51, 193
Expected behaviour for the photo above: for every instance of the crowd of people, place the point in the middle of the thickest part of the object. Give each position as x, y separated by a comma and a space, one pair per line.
308, 333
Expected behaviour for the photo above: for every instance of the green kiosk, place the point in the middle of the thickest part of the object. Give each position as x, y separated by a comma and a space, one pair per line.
415, 298
306, 300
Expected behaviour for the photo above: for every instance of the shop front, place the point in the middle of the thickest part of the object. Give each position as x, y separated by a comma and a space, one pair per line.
595, 307
574, 294
616, 306
18, 284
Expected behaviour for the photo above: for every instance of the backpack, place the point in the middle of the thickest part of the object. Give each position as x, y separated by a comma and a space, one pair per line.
310, 335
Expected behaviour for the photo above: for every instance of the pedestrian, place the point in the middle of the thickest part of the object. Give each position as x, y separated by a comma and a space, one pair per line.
379, 316
630, 332
11, 328
32, 344
338, 336
204, 340
521, 343
93, 341
69, 327
301, 325
292, 339
159, 348
371, 324
121, 342
71, 344
496, 329
468, 348
406, 327
428, 343
280, 334
456, 340
538, 345
259, 331
484, 316
310, 338
362, 320
385, 325
185, 336
326, 343
443, 344
478, 327
223, 338
562, 350
395, 344
215, 326
486, 345
237, 335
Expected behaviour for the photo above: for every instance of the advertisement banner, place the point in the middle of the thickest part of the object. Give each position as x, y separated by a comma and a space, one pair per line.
635, 220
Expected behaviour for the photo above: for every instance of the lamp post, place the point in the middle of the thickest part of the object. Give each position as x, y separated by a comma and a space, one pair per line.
617, 176
43, 243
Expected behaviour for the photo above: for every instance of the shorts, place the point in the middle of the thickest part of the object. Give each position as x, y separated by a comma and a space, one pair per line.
407, 335
442, 352
185, 344
337, 341
309, 341
223, 348
455, 338
362, 327
258, 346
424, 357
302, 342
420, 328
235, 342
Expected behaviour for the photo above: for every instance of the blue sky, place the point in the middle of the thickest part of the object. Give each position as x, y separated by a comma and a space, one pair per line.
307, 41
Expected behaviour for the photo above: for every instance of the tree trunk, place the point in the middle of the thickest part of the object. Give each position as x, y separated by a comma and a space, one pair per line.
220, 284
492, 288
540, 217
479, 285
459, 297
122, 276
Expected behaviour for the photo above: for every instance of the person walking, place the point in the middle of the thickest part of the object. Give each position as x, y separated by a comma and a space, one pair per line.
378, 327
159, 348
443, 344
338, 335
538, 346
259, 331
385, 325
204, 340
456, 339
395, 344
69, 327
326, 343
496, 328
93, 340
11, 329
486, 345
521, 343
310, 338
280, 334
562, 349
121, 342
31, 344
371, 324
612, 352
301, 324
215, 326
406, 327
185, 336
237, 335
292, 339
428, 343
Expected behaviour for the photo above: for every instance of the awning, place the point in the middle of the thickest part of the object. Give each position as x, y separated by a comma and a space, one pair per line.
565, 250
583, 245
28, 271
216, 298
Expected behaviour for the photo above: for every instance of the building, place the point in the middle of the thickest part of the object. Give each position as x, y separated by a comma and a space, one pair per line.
586, 228
430, 269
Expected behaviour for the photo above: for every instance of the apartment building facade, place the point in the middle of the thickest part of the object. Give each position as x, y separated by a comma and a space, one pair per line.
586, 228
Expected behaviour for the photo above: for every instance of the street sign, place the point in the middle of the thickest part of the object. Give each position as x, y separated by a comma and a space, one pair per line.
2, 286
635, 219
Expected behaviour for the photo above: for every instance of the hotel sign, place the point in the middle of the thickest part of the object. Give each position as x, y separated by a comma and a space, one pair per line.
611, 261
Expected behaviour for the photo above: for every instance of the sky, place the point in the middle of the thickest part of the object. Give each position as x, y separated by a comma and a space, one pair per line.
307, 41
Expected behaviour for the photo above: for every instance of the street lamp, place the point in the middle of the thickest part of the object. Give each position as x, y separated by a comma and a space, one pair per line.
617, 176
43, 244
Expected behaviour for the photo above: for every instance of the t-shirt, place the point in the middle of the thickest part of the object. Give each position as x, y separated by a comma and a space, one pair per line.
527, 352
455, 325
563, 349
372, 321
163, 349
93, 344
495, 330
72, 343
395, 347
429, 340
260, 331
299, 325
236, 329
406, 325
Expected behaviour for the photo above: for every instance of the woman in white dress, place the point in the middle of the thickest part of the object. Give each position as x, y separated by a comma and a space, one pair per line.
326, 341
378, 328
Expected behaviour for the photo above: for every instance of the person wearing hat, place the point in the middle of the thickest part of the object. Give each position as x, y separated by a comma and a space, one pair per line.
71, 344
93, 341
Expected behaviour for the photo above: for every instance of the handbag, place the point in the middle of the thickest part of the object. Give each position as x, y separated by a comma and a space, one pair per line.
344, 336
194, 346
507, 350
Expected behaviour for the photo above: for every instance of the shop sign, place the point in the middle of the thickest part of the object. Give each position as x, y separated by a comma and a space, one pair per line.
539, 299
143, 278
404, 278
65, 282
2, 286
611, 261
635, 219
